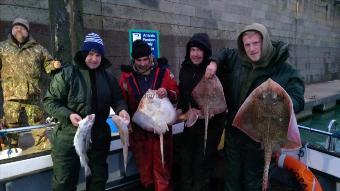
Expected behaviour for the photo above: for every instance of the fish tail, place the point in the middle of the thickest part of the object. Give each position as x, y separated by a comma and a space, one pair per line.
125, 155
83, 161
161, 145
268, 154
206, 121
87, 170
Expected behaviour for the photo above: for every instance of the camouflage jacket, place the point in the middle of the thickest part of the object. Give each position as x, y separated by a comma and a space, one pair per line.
22, 69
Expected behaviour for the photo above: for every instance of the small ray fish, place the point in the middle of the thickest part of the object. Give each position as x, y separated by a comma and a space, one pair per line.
267, 116
154, 115
210, 98
82, 141
122, 125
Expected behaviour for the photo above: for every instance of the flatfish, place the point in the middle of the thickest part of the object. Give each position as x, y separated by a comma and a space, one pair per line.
209, 95
267, 116
154, 115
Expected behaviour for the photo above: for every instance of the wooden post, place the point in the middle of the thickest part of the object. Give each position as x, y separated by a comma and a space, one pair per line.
66, 26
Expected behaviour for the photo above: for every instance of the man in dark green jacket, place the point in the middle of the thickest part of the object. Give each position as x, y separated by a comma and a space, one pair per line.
241, 71
75, 92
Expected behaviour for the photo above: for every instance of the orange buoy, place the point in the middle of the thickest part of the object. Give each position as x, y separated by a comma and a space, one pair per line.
304, 176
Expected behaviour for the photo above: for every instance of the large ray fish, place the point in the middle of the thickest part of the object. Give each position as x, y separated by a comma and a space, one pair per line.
267, 116
154, 115
122, 125
210, 98
82, 140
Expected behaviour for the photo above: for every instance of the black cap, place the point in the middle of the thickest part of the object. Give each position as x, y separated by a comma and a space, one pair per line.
140, 49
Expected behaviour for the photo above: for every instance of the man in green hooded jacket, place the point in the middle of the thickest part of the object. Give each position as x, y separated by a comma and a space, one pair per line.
23, 62
241, 71
84, 88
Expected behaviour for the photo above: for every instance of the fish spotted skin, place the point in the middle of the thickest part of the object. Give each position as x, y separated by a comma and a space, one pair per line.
267, 116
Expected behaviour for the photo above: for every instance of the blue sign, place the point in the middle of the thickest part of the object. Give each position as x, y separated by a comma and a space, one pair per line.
149, 36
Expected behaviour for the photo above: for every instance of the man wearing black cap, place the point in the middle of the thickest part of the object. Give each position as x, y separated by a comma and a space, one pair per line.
196, 167
23, 62
143, 74
75, 92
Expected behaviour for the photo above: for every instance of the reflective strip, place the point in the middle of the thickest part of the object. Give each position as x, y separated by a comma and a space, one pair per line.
281, 160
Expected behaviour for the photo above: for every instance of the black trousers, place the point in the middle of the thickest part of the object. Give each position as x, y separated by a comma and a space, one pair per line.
196, 165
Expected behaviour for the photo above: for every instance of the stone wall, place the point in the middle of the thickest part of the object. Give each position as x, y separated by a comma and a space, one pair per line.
311, 27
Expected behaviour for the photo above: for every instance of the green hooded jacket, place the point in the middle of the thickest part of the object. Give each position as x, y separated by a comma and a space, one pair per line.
71, 90
240, 76
22, 68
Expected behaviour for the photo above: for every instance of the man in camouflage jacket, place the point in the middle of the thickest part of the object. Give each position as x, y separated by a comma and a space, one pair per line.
23, 62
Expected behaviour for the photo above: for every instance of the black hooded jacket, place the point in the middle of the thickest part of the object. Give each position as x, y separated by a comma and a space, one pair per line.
190, 74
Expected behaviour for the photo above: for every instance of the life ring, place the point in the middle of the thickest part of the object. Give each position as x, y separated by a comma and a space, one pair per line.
304, 176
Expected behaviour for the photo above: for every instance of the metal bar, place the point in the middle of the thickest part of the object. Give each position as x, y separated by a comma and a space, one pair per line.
27, 128
319, 131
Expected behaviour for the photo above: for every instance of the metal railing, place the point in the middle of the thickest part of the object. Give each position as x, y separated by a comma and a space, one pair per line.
332, 134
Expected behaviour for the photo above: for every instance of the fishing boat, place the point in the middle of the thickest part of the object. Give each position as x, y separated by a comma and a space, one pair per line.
34, 171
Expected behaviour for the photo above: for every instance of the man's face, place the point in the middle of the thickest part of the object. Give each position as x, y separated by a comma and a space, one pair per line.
196, 55
19, 32
143, 63
253, 46
93, 60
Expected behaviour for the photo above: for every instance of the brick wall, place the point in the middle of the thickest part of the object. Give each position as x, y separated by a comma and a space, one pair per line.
311, 27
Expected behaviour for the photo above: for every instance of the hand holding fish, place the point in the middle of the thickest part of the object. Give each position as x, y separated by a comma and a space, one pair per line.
210, 71
162, 93
125, 115
75, 118
192, 115
197, 112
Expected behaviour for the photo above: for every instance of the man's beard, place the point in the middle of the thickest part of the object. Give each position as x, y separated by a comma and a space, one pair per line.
20, 37
142, 70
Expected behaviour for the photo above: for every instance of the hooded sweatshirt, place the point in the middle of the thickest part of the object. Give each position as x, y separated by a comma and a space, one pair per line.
190, 74
239, 76
267, 47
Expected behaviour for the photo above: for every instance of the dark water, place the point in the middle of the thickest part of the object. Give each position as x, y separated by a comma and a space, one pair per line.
320, 121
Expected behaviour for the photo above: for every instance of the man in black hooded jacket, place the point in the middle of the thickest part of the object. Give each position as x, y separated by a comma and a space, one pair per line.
195, 165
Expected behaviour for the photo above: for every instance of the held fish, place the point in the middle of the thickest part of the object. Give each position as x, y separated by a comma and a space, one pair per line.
82, 141
154, 115
210, 98
122, 125
267, 116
